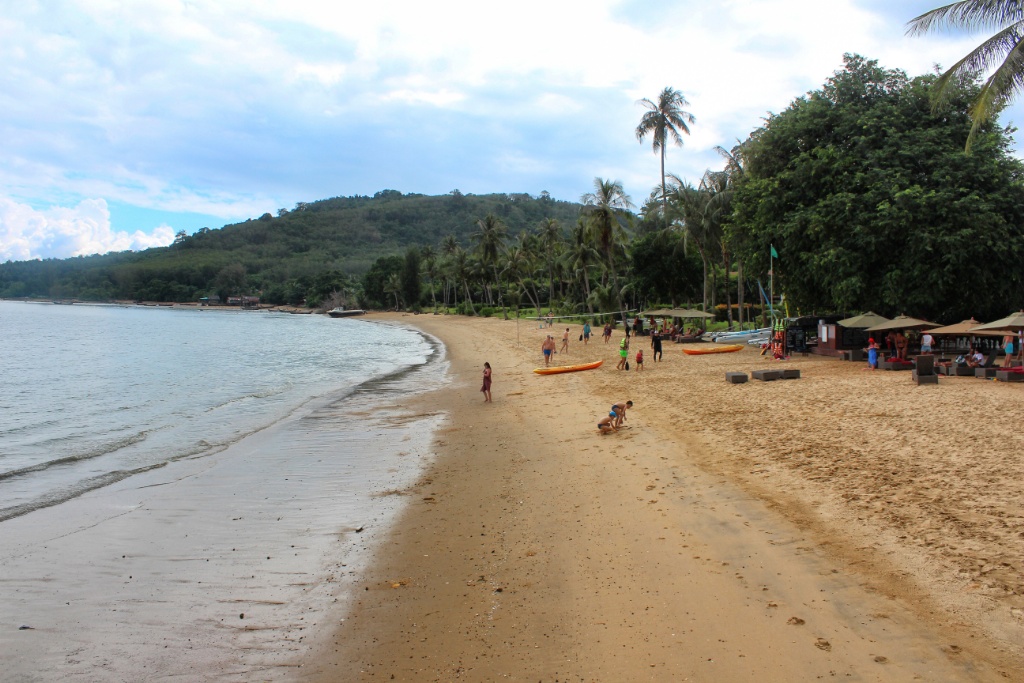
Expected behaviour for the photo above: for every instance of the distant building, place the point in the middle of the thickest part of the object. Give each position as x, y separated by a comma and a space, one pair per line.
234, 301
250, 302
209, 300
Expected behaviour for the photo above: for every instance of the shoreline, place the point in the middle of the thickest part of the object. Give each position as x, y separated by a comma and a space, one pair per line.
701, 541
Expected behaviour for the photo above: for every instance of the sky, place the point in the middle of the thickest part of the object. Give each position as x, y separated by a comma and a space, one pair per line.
126, 121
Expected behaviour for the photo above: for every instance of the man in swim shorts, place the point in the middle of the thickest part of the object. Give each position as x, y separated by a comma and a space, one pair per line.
548, 347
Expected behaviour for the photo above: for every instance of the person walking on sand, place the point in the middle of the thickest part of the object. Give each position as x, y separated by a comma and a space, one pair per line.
565, 342
656, 345
623, 352
620, 411
639, 360
872, 355
607, 424
548, 347
607, 332
586, 332
487, 383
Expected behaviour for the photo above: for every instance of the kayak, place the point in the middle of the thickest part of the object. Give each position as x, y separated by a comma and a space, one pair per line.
714, 349
556, 369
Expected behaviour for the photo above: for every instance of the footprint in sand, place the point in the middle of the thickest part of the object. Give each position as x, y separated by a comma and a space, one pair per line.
796, 621
823, 644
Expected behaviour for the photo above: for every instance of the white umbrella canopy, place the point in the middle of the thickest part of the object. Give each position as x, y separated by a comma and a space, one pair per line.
1011, 323
903, 322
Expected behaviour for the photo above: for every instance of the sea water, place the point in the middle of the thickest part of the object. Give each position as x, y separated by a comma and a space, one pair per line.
186, 492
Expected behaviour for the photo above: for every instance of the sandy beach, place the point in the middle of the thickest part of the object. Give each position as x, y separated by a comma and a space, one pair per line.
847, 524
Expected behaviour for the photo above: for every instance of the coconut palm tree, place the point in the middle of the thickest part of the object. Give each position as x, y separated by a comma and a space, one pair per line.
664, 119
580, 258
1002, 52
490, 238
551, 240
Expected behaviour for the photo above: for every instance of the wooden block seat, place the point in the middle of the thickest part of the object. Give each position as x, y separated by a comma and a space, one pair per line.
790, 373
736, 377
1009, 376
895, 365
767, 375
985, 373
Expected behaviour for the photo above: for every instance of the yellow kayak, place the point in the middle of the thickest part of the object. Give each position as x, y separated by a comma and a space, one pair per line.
729, 348
556, 369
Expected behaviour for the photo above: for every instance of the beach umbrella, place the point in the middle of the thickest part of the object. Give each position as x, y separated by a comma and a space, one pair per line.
1011, 323
902, 322
692, 313
864, 320
963, 328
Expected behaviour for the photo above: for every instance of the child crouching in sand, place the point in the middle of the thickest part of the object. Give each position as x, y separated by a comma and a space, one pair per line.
607, 424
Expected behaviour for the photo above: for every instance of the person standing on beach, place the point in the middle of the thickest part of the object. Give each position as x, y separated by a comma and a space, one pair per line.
548, 347
607, 332
872, 355
565, 342
1008, 349
926, 343
623, 352
487, 383
656, 345
586, 332
901, 346
639, 360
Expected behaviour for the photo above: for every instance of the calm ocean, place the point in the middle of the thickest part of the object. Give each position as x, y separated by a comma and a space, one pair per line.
90, 395
193, 495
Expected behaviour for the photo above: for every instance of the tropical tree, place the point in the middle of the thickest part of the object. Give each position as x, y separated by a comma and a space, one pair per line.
664, 119
1002, 53
551, 239
490, 238
606, 211
581, 258
393, 286
430, 270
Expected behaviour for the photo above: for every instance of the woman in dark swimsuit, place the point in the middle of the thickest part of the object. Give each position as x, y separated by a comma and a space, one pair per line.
487, 383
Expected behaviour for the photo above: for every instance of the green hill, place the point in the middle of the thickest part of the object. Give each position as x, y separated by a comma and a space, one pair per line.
317, 245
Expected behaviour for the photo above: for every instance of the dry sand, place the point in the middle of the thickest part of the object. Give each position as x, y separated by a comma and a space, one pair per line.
848, 524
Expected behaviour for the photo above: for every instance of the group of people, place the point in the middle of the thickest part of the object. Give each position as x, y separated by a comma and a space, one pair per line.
897, 344
613, 421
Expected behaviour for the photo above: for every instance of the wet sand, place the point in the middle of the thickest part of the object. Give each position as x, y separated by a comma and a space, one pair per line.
848, 524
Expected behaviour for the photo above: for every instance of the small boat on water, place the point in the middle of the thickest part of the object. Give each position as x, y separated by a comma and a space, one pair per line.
557, 369
342, 312
713, 349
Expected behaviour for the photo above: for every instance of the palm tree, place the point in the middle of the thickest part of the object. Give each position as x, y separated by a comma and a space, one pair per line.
580, 258
551, 239
606, 210
430, 270
664, 119
393, 286
1002, 52
490, 239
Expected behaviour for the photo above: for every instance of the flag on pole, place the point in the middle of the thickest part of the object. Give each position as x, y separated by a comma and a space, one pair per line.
775, 254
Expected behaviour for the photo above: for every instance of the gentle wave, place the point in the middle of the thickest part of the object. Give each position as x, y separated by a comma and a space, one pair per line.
82, 487
98, 452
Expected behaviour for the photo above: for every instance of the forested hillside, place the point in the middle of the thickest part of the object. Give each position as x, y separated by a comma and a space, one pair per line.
316, 248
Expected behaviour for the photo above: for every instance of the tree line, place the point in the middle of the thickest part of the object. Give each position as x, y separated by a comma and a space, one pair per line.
862, 188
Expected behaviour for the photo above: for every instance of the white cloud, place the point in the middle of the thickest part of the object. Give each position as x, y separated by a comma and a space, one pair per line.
230, 108
61, 232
